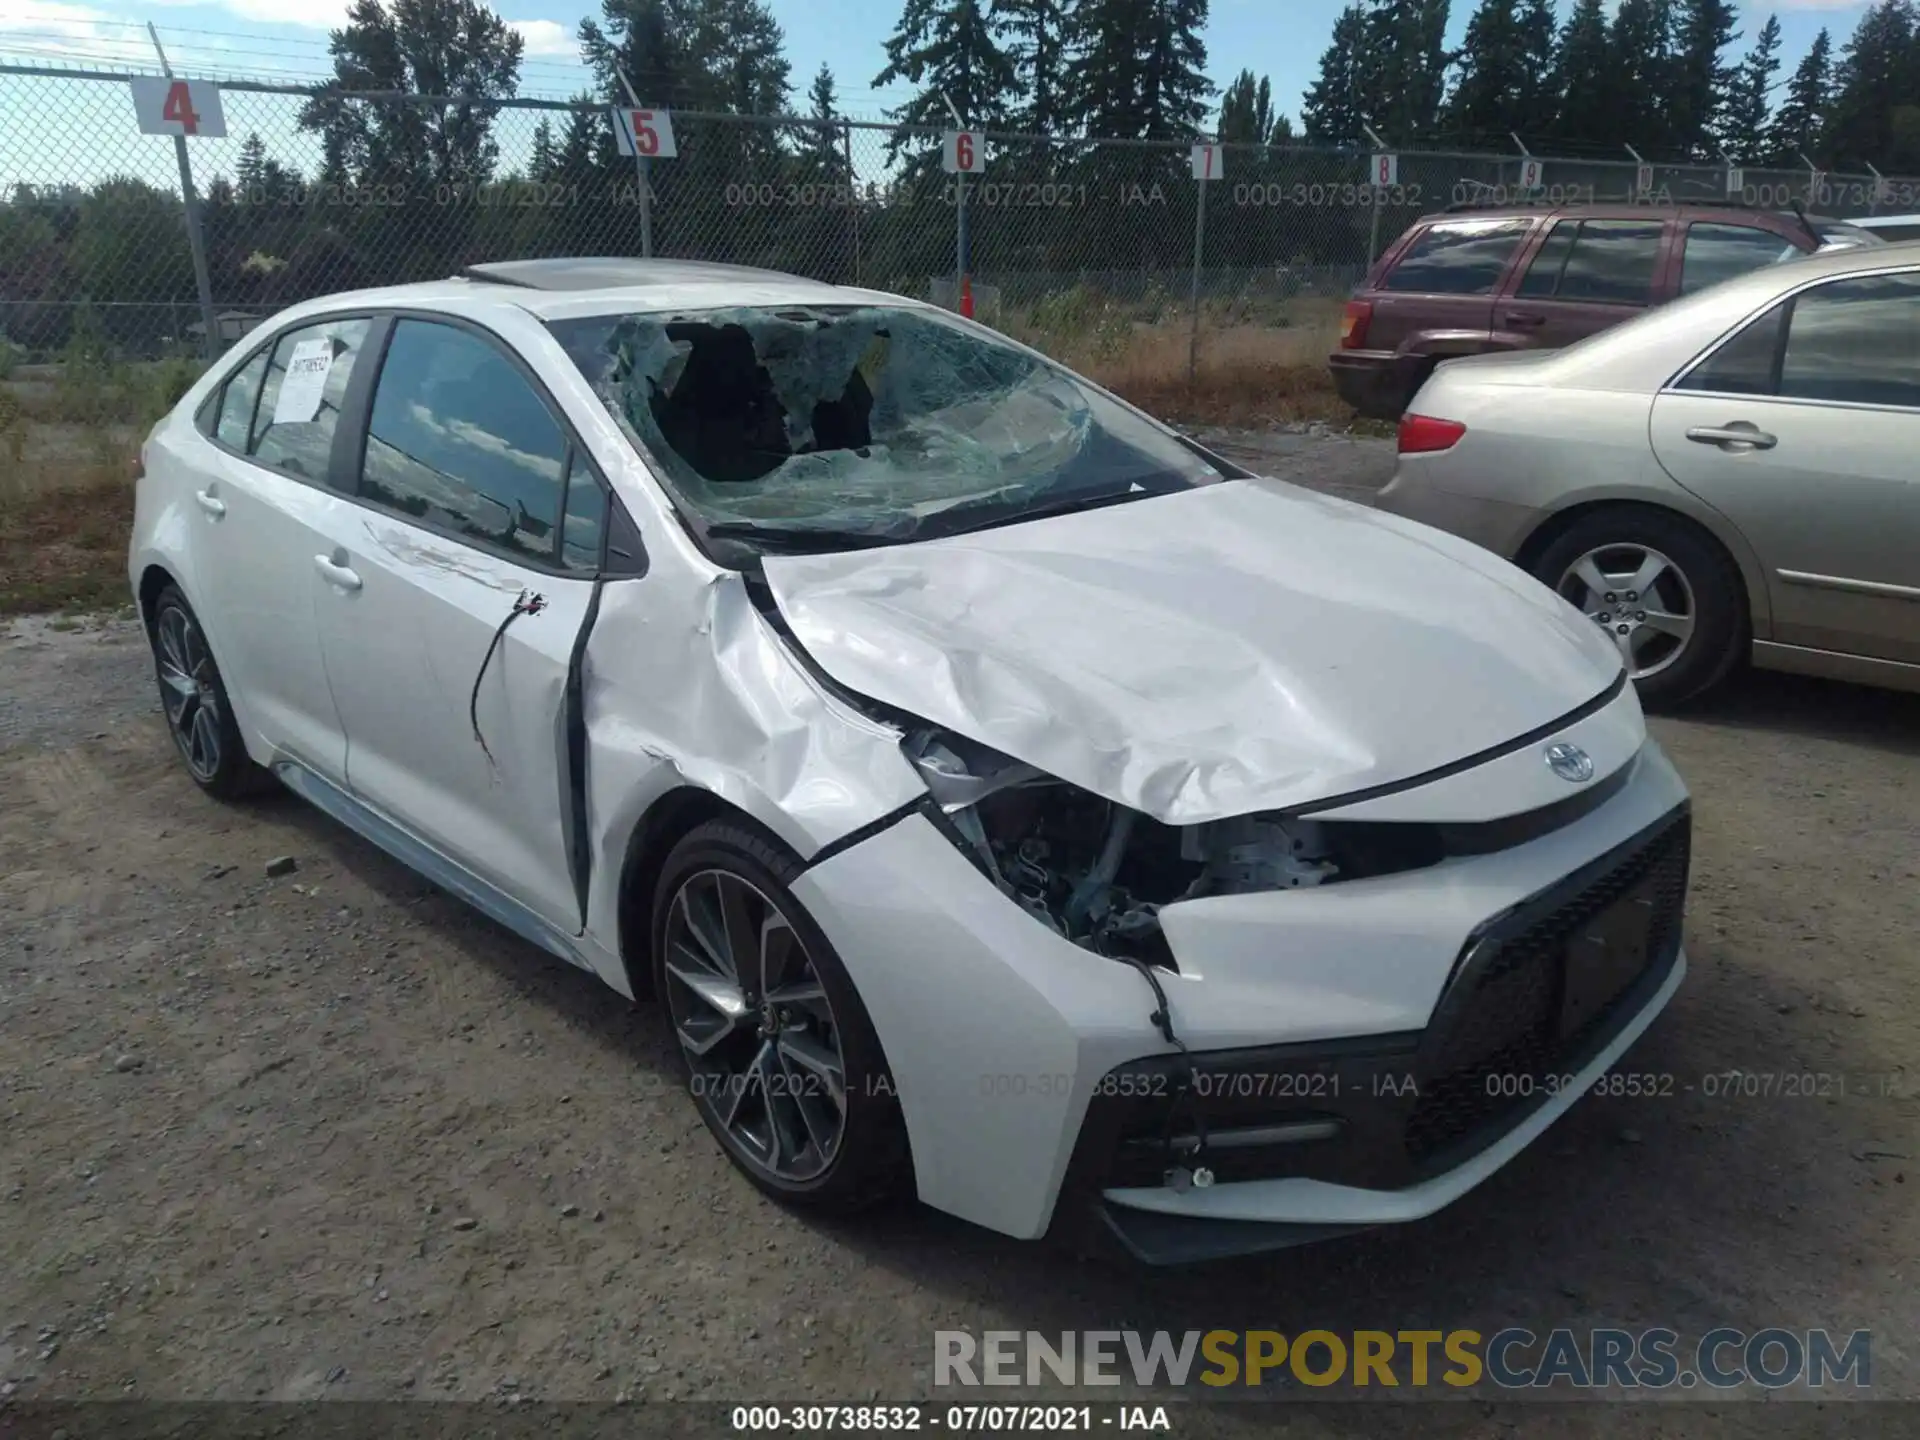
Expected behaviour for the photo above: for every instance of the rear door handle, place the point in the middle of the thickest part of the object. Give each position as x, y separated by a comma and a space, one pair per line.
1738, 433
1525, 319
212, 504
336, 574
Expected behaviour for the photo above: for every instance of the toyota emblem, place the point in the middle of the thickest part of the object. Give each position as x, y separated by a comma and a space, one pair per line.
1569, 762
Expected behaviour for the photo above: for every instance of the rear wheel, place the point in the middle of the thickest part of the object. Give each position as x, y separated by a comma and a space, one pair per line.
782, 1061
194, 697
1664, 593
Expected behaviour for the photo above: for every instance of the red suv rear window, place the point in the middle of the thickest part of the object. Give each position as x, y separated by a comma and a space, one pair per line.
1457, 257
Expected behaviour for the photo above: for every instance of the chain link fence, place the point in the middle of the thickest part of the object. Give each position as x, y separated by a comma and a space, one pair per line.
1102, 253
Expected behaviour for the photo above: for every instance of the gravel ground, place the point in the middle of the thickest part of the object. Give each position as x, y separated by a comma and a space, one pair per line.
333, 1134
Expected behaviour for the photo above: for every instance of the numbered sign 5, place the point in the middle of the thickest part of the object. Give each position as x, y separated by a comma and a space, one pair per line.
165, 106
1532, 174
646, 133
1383, 170
963, 152
1736, 182
1208, 162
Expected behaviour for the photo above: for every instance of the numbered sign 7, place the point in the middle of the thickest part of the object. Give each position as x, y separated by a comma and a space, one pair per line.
646, 133
165, 106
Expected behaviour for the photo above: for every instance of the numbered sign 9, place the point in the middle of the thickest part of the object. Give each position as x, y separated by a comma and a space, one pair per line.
1208, 162
165, 106
646, 133
1383, 171
1532, 174
963, 152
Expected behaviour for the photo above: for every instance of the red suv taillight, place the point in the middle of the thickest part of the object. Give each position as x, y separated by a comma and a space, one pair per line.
1353, 324
1422, 434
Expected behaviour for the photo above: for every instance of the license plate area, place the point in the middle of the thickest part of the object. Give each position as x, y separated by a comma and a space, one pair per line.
1605, 956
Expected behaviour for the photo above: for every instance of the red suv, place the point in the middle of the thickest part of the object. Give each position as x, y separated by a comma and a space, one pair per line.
1518, 277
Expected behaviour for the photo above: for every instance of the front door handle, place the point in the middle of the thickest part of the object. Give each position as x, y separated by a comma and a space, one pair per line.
1525, 319
211, 503
1739, 432
335, 573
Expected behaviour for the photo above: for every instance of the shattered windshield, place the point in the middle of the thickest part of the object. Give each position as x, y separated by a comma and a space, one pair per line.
875, 423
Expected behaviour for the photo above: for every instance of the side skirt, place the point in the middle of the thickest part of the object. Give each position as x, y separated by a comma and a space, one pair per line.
417, 855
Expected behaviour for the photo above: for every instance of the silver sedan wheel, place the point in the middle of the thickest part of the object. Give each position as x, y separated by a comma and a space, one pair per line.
188, 691
1640, 598
758, 1032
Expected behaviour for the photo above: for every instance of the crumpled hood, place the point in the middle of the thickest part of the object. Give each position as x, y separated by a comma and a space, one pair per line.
1237, 647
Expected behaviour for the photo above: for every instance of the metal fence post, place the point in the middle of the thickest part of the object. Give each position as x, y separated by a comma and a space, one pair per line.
853, 193
1199, 239
641, 174
190, 209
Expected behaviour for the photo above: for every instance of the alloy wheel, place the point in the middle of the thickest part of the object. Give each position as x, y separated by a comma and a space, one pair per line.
1640, 597
189, 691
756, 1026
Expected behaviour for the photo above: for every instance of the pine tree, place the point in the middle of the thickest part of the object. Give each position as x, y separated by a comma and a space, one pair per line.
950, 52
726, 55
1037, 34
545, 158
825, 153
1539, 102
1583, 75
1137, 68
1411, 78
1247, 116
1642, 79
1332, 110
1743, 123
1494, 79
1702, 79
1797, 124
1876, 82
250, 172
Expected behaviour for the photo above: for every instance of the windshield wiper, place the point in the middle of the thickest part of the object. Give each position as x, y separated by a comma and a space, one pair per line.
1065, 505
799, 537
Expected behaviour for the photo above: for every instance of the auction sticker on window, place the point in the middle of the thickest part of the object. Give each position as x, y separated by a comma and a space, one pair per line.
304, 383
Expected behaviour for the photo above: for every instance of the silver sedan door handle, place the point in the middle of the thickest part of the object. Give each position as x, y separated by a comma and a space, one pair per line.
336, 574
1738, 433
212, 504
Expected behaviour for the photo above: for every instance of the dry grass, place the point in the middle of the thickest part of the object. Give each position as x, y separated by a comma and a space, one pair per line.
64, 547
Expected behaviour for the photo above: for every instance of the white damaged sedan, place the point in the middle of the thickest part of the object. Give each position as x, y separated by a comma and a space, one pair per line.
1002, 797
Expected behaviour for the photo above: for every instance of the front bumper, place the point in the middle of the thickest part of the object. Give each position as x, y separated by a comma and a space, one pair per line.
1010, 1047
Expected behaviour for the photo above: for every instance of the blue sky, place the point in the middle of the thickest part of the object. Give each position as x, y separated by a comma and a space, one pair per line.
287, 38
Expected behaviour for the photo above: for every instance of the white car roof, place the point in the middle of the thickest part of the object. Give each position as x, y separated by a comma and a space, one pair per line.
1884, 222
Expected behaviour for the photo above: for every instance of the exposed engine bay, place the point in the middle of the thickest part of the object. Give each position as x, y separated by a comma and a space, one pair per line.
1096, 872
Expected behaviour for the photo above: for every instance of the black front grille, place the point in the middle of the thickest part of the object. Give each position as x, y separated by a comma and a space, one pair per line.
1512, 1023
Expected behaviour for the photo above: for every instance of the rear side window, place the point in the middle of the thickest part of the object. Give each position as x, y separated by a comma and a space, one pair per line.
1716, 252
299, 405
1458, 257
1604, 261
1747, 364
1856, 341
583, 533
234, 420
1895, 232
458, 438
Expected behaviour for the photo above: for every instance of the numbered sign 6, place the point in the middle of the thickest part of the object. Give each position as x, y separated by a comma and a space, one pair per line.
646, 133
1383, 170
165, 106
1208, 162
1532, 174
963, 152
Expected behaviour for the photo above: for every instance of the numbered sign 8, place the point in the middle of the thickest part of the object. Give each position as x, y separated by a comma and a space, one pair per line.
1532, 174
1208, 162
165, 106
963, 152
1384, 170
646, 133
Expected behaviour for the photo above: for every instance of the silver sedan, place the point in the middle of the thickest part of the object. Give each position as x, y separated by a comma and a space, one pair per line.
1733, 475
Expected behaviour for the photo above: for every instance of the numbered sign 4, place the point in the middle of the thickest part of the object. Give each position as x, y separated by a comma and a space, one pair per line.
1383, 170
646, 133
165, 106
1532, 174
963, 152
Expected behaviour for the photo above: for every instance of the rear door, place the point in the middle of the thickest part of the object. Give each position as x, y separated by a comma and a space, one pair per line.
264, 484
1441, 287
1587, 275
450, 592
1802, 428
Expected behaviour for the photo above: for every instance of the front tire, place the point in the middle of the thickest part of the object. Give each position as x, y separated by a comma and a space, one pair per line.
1662, 590
781, 1059
194, 699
